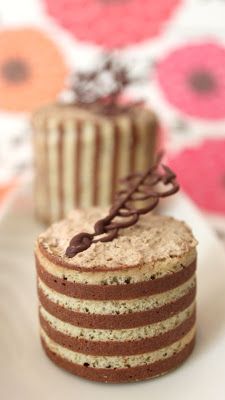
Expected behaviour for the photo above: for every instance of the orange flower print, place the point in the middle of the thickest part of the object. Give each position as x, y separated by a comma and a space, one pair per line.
32, 70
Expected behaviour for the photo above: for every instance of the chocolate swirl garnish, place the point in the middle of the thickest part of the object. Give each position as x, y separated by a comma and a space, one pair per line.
125, 212
101, 90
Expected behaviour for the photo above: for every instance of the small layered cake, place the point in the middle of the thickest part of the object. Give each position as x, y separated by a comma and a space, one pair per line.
81, 152
122, 310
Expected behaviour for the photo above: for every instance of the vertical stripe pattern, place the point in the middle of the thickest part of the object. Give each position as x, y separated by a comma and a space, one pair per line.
79, 161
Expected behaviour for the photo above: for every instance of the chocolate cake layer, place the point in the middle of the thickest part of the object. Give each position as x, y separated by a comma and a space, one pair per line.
120, 363
116, 334
117, 321
84, 153
125, 374
116, 292
112, 348
98, 361
117, 307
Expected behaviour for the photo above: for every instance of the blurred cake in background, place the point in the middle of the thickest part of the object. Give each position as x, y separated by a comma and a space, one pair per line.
82, 148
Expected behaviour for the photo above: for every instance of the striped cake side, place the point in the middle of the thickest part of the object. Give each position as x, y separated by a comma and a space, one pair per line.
79, 157
114, 338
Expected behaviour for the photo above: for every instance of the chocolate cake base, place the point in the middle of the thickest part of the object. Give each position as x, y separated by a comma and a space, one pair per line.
127, 375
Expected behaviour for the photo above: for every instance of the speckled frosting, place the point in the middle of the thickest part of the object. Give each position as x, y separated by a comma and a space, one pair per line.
154, 238
122, 310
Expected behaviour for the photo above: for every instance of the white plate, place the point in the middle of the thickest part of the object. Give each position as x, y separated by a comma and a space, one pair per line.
26, 373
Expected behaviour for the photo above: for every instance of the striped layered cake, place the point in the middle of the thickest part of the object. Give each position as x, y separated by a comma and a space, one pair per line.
81, 153
122, 310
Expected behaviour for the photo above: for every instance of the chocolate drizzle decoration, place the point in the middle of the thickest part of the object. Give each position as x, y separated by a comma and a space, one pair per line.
146, 189
101, 89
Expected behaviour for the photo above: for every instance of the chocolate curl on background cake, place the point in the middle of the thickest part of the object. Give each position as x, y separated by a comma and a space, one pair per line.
125, 212
102, 89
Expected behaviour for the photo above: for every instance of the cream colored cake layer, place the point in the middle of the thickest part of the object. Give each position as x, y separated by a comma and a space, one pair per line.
116, 307
139, 333
119, 361
108, 276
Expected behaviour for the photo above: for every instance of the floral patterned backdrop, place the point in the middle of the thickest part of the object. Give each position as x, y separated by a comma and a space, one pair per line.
182, 43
